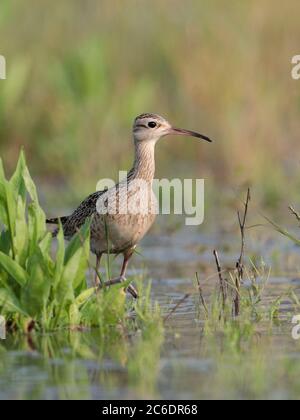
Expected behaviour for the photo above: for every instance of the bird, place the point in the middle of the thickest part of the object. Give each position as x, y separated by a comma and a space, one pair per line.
123, 214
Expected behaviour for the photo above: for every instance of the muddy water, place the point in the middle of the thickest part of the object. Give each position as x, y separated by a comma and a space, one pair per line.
190, 365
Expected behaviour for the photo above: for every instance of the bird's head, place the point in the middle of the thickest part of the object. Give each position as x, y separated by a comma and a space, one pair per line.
151, 127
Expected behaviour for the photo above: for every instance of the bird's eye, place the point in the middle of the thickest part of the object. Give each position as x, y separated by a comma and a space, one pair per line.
152, 124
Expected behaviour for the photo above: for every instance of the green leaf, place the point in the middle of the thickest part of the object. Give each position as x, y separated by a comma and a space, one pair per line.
36, 293
30, 186
36, 225
84, 296
21, 233
5, 242
60, 257
74, 314
10, 303
78, 241
3, 205
74, 269
77, 256
14, 269
11, 211
45, 248
17, 180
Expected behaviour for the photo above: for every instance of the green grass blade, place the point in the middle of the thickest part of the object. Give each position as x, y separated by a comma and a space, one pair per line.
284, 232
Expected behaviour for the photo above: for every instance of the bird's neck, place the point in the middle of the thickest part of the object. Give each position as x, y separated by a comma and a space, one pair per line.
144, 163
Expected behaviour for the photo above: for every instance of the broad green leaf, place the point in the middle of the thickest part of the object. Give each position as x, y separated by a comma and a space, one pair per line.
77, 256
75, 267
17, 180
45, 248
36, 215
11, 209
30, 186
21, 233
5, 242
64, 292
60, 257
36, 225
10, 303
74, 315
78, 240
3, 205
84, 296
13, 269
36, 293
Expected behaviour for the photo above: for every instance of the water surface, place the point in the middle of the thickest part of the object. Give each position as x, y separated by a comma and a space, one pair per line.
190, 364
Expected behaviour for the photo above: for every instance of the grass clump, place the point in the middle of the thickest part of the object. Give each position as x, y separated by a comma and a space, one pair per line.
237, 304
37, 289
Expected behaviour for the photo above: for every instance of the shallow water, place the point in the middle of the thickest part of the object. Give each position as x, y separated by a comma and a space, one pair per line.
191, 364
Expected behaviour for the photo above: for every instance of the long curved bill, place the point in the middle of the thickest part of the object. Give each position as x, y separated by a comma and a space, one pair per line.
182, 132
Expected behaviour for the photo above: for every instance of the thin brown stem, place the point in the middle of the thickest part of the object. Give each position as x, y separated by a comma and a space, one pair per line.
201, 295
223, 286
239, 264
185, 297
295, 213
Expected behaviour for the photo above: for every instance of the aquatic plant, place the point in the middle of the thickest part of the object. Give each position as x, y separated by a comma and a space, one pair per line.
43, 288
235, 307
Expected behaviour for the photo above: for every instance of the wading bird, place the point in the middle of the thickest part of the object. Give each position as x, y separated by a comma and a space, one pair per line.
122, 215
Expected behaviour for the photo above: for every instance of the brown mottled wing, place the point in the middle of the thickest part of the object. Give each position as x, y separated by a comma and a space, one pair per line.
86, 209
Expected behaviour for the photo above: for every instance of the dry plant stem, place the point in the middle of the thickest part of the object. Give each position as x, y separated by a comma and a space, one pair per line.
222, 281
201, 295
295, 213
185, 297
239, 264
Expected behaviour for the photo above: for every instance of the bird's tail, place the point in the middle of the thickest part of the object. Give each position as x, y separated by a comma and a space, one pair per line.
56, 220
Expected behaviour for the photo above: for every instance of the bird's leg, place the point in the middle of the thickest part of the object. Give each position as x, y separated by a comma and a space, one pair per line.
120, 279
97, 280
130, 288
126, 260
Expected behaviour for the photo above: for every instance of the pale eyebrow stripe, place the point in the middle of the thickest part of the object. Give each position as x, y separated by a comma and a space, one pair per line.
141, 125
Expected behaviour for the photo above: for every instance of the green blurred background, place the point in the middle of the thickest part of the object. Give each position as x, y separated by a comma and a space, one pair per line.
79, 71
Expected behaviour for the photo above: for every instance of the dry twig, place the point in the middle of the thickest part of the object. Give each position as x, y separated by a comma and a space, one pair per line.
295, 213
201, 295
178, 304
223, 285
239, 264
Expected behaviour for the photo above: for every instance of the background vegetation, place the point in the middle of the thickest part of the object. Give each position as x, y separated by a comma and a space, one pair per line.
79, 72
